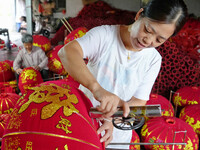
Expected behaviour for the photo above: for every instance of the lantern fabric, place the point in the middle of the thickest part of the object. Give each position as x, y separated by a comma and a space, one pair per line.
187, 95
191, 115
42, 42
8, 101
3, 121
162, 130
135, 139
53, 115
54, 62
166, 105
79, 32
8, 87
6, 73
29, 78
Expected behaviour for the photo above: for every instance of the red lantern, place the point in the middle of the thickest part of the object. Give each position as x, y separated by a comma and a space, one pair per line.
52, 115
165, 104
187, 95
79, 32
8, 101
135, 139
42, 42
162, 130
8, 87
29, 78
191, 115
3, 121
6, 73
54, 62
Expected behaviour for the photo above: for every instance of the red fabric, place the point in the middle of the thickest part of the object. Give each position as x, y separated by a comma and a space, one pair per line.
135, 139
191, 115
188, 95
79, 32
42, 42
8, 101
3, 121
166, 105
29, 78
8, 87
54, 115
54, 62
6, 73
162, 129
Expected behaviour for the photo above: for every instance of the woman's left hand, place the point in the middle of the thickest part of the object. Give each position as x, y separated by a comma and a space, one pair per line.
107, 126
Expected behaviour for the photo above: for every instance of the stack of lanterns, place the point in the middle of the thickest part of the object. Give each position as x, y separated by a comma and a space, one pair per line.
52, 115
7, 77
54, 62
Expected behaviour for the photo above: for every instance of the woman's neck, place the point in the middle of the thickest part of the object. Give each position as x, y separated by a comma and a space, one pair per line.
125, 37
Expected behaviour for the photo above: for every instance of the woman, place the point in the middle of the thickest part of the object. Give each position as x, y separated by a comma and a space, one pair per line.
123, 62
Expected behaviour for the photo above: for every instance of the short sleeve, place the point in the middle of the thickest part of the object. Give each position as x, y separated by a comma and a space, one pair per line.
93, 43
144, 89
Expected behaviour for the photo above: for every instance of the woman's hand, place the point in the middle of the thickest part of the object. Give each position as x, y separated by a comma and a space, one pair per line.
18, 71
107, 126
108, 102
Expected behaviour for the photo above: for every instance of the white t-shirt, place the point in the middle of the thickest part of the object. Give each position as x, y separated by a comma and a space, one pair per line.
109, 63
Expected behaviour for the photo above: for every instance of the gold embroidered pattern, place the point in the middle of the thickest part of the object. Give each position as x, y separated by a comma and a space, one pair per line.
64, 124
12, 143
15, 120
33, 112
29, 145
28, 74
56, 96
51, 135
65, 147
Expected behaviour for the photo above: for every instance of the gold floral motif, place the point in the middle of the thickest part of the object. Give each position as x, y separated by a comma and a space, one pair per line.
65, 147
12, 143
144, 130
57, 64
15, 120
28, 74
64, 124
33, 112
52, 94
29, 145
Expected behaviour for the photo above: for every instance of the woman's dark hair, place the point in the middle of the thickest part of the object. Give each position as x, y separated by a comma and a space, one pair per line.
166, 11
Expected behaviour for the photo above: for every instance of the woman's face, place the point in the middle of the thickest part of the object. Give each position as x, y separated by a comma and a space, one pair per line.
145, 33
28, 46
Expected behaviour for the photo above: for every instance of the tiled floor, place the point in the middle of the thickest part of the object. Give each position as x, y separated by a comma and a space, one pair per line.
6, 54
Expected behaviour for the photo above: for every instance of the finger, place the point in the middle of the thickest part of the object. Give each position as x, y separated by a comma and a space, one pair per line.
108, 108
102, 106
111, 112
108, 140
101, 129
106, 136
126, 109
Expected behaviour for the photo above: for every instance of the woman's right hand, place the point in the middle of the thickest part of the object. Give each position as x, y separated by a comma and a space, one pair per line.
18, 71
108, 102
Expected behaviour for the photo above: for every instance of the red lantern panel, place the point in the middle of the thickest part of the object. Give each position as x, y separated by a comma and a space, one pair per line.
29, 78
191, 115
162, 130
6, 73
42, 42
52, 115
79, 32
187, 96
165, 104
135, 139
54, 62
8, 101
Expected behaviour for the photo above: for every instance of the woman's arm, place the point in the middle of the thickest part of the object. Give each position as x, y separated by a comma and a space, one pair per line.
71, 57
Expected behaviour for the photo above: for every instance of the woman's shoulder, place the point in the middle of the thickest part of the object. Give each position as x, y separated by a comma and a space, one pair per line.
105, 29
